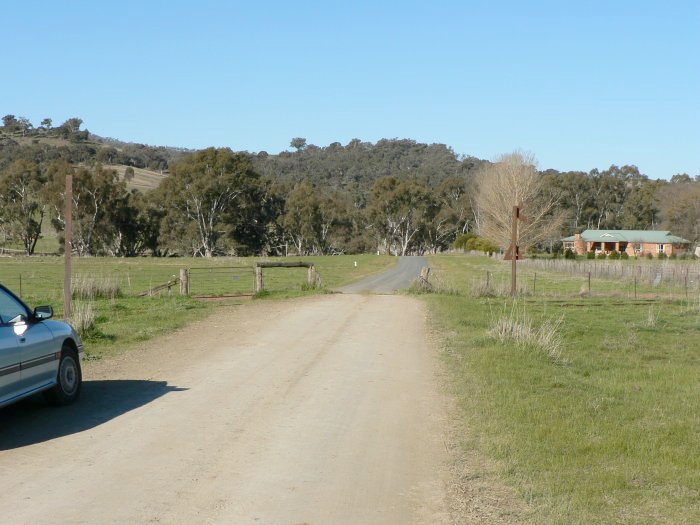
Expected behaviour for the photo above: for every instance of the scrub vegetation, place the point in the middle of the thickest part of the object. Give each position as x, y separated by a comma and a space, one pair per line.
585, 406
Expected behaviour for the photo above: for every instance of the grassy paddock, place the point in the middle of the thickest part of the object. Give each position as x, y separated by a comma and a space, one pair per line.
112, 285
607, 430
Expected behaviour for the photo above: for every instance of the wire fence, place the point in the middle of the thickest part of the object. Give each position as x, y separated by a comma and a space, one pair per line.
40, 279
673, 280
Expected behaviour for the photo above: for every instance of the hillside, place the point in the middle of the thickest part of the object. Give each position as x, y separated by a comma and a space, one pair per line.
359, 164
143, 180
356, 165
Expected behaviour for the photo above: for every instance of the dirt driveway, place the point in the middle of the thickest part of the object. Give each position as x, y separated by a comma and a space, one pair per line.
319, 410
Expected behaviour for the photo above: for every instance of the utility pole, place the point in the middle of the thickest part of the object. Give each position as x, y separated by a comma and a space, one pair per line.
514, 252
68, 247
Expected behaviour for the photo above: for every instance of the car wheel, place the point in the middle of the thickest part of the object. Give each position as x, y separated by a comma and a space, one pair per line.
70, 379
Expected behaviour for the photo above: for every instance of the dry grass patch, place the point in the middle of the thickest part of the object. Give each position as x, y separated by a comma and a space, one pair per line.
515, 326
90, 288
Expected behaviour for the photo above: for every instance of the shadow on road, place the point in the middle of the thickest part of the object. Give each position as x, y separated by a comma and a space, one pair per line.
33, 421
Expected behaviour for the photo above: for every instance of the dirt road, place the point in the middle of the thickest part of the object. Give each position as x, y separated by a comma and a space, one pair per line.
401, 276
319, 410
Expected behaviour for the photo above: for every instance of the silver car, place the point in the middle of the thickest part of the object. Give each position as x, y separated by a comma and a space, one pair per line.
36, 354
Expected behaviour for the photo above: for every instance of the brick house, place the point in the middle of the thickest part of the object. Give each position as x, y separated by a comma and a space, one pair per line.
633, 242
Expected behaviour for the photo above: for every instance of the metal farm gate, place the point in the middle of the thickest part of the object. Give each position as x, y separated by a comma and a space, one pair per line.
221, 281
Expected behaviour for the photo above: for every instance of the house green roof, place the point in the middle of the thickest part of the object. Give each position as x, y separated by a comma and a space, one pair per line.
641, 236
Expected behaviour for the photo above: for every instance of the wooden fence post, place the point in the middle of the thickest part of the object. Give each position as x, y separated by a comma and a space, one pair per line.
184, 281
534, 284
311, 276
258, 279
589, 283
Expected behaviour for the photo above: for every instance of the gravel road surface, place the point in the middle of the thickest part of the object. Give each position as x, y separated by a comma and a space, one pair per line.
401, 276
322, 410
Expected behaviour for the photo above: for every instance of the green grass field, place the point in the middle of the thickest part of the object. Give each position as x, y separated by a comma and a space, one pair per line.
607, 433
129, 319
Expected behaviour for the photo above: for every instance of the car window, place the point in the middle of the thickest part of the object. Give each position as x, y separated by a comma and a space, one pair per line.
9, 307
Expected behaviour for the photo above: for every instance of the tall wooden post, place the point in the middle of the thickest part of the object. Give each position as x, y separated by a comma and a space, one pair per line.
311, 276
514, 254
258, 279
68, 247
184, 281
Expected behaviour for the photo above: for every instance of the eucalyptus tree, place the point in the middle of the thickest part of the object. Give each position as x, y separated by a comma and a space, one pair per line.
202, 190
23, 208
97, 192
399, 211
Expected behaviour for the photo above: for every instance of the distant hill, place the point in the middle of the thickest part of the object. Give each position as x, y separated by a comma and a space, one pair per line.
84, 148
358, 164
355, 165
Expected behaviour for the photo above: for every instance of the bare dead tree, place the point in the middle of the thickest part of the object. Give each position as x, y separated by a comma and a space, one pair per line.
513, 180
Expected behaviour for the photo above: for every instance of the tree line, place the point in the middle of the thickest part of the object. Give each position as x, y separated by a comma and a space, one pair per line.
393, 196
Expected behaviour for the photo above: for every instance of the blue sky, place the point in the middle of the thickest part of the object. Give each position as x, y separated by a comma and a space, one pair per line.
581, 86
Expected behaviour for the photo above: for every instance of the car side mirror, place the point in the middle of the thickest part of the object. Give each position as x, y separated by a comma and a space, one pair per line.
43, 312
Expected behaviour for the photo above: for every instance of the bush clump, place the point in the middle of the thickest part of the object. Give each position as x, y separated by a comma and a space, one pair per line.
517, 327
569, 254
472, 242
601, 255
624, 255
614, 255
590, 255
90, 288
83, 319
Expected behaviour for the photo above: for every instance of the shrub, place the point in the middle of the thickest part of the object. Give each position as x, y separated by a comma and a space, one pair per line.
661, 255
83, 318
87, 287
649, 256
462, 240
601, 255
590, 255
517, 327
569, 254
614, 255
481, 289
624, 255
480, 244
652, 317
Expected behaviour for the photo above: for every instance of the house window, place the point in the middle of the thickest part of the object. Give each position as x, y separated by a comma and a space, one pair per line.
637, 247
660, 248
569, 246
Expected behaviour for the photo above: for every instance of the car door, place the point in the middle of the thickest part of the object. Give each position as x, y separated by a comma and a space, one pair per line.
10, 356
38, 360
9, 363
38, 355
